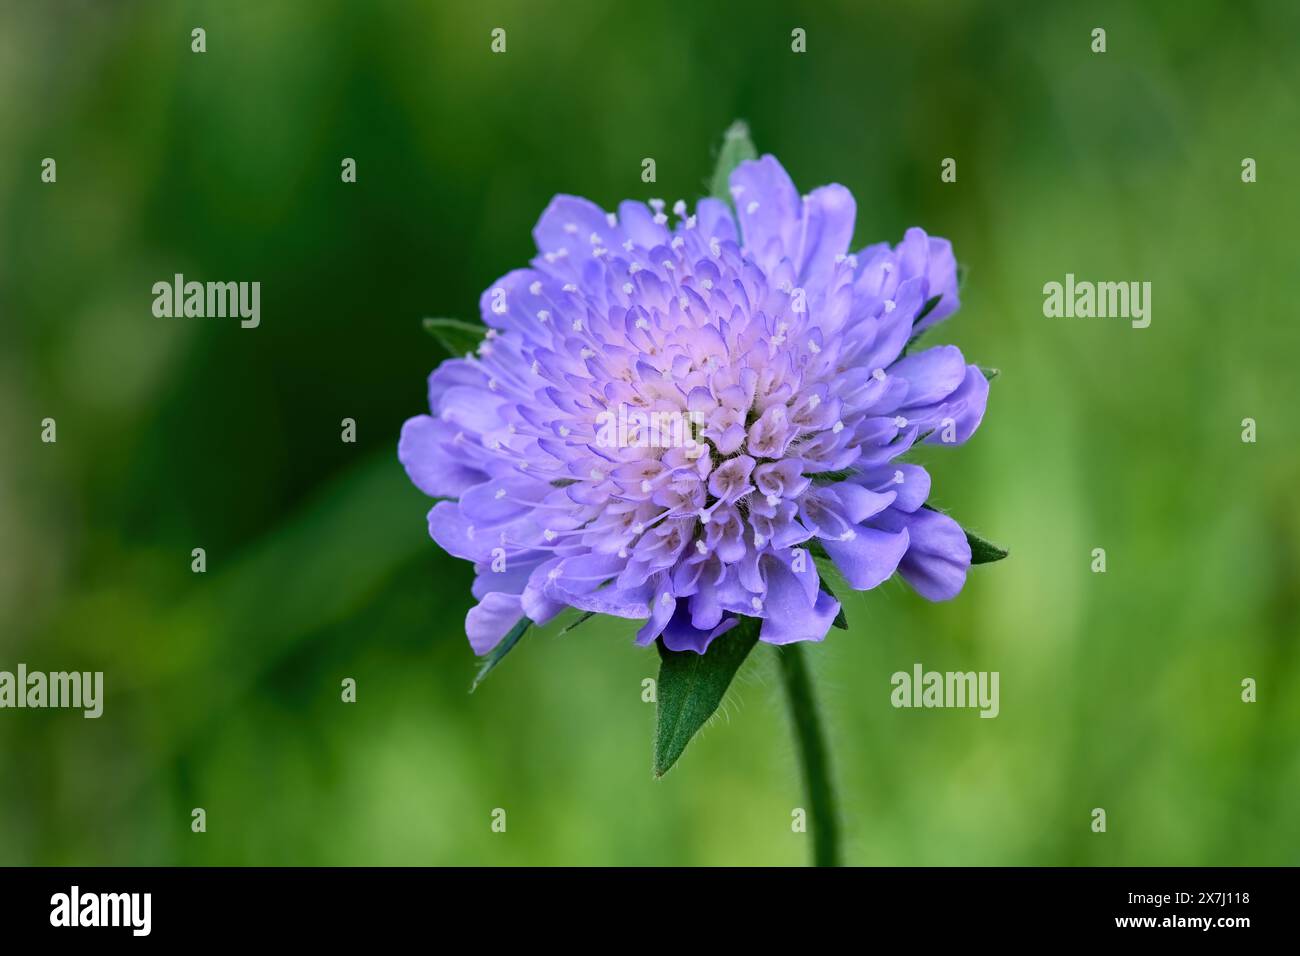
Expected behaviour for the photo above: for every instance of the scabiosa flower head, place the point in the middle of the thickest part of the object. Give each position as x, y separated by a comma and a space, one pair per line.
774, 361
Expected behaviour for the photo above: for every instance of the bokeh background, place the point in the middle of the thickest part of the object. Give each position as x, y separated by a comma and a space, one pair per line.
1118, 690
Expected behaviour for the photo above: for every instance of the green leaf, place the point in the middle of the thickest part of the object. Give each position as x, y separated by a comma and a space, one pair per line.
831, 477
582, 619
457, 337
691, 687
828, 572
840, 621
736, 148
926, 309
984, 552
500, 651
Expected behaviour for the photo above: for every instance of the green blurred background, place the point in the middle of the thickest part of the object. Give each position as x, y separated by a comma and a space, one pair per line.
1118, 690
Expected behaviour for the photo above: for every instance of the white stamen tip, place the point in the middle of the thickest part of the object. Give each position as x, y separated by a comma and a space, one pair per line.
900, 421
645, 485
898, 477
701, 547
837, 428
501, 493
628, 288
548, 534
848, 535
752, 207
890, 306
535, 288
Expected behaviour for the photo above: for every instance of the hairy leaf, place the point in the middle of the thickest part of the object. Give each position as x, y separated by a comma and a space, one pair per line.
500, 651
984, 552
583, 618
458, 338
691, 687
736, 148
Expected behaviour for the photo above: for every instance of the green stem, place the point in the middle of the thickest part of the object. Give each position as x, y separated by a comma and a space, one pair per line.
813, 757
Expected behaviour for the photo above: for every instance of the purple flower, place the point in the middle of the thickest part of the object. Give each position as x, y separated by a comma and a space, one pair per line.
671, 415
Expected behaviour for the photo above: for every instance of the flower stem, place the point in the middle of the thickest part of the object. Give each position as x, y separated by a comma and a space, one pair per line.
813, 756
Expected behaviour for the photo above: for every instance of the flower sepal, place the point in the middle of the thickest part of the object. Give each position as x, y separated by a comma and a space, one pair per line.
691, 686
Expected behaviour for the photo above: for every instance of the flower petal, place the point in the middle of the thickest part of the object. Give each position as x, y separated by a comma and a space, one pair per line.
681, 635
828, 216
768, 207
491, 620
789, 614
869, 557
931, 375
938, 555
426, 452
